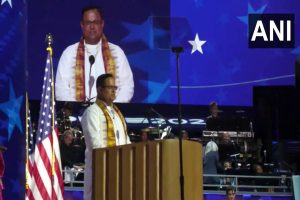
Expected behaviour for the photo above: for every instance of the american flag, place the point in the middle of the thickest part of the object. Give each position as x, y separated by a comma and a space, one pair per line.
46, 174
30, 143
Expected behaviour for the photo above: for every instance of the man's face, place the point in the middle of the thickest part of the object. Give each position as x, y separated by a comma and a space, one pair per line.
92, 26
108, 91
68, 140
227, 165
144, 136
214, 111
231, 195
226, 137
185, 136
67, 112
259, 169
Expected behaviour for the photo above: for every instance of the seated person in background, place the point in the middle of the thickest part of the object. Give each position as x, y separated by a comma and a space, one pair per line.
227, 147
184, 135
230, 193
227, 166
258, 171
144, 134
226, 137
212, 121
211, 162
67, 110
63, 117
66, 149
71, 157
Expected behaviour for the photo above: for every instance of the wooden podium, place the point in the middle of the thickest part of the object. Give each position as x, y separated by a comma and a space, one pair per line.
147, 171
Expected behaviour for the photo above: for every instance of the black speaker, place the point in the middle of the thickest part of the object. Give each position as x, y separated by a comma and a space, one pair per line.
297, 74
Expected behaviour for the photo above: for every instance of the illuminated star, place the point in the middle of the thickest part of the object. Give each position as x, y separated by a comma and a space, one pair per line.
151, 66
12, 109
197, 44
156, 90
244, 18
8, 1
145, 32
199, 3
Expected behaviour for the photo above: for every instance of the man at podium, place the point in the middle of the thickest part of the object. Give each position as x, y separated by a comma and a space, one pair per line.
103, 125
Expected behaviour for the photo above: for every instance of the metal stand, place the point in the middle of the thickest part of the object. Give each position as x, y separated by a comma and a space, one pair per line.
179, 50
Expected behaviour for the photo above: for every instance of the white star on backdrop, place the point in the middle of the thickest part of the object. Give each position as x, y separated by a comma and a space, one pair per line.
197, 44
8, 1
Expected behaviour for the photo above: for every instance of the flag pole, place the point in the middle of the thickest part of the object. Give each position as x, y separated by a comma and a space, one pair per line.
26, 145
49, 40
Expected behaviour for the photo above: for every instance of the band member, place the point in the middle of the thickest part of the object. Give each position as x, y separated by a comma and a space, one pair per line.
213, 120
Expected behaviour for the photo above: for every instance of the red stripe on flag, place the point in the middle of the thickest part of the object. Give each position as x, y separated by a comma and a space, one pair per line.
59, 176
44, 158
47, 148
54, 196
29, 195
39, 183
29, 167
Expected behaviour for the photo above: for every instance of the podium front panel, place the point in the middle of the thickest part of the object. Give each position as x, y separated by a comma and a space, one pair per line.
147, 171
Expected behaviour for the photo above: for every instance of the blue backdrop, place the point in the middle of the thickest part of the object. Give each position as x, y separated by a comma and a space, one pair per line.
228, 69
225, 72
13, 16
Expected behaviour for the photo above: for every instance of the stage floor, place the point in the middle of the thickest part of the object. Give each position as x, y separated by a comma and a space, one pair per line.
78, 195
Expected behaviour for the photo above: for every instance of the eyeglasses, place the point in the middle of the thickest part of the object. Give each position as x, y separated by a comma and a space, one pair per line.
89, 23
111, 87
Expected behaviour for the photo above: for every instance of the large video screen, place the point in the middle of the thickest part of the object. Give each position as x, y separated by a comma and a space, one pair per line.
222, 69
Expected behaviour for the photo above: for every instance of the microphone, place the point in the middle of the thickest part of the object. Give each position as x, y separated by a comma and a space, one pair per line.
92, 60
91, 78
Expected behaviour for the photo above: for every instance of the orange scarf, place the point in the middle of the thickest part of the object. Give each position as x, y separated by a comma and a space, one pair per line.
109, 66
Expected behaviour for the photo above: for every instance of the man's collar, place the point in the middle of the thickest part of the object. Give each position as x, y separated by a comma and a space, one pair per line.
106, 104
99, 43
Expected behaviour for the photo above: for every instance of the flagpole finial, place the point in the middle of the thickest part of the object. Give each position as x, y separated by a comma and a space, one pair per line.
49, 41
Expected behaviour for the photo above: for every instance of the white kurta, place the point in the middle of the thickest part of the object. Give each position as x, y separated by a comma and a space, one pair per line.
95, 133
65, 75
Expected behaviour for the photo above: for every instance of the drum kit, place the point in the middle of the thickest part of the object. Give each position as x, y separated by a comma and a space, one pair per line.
67, 123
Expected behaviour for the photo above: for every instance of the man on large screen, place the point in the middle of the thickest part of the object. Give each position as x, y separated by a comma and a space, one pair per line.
82, 62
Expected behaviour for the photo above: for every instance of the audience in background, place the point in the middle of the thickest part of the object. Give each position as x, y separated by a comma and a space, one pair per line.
66, 149
228, 171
